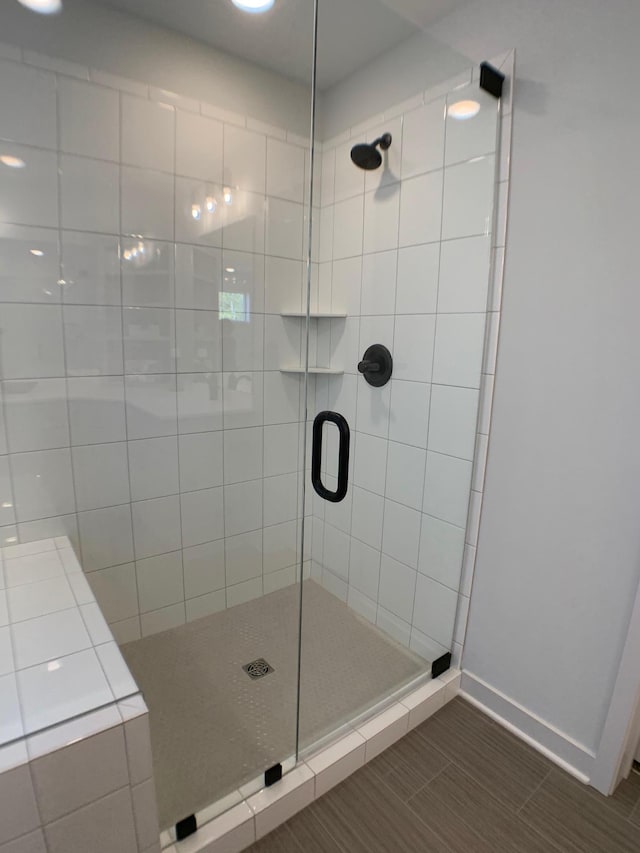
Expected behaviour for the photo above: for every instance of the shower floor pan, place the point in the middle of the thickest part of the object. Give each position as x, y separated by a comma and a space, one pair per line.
214, 728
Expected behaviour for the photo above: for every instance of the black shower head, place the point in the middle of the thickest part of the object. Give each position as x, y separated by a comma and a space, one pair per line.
367, 156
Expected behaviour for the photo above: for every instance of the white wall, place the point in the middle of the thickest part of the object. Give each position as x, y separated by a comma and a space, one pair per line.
559, 540
112, 41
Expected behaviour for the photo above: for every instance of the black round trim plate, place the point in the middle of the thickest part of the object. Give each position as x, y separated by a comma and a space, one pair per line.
376, 365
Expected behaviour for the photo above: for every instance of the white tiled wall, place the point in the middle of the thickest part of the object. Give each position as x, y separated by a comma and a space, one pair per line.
412, 254
153, 429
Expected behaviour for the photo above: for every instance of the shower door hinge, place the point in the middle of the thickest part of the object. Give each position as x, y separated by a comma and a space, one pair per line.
491, 79
272, 775
186, 827
441, 664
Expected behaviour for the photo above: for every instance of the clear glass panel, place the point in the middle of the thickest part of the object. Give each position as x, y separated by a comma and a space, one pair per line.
403, 257
154, 196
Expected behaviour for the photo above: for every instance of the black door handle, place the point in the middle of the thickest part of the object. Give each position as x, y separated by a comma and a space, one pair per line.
343, 456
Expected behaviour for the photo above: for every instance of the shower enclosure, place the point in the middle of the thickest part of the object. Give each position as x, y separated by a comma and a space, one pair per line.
194, 269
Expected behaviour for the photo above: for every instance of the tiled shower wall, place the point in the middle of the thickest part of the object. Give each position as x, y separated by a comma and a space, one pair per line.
409, 254
148, 243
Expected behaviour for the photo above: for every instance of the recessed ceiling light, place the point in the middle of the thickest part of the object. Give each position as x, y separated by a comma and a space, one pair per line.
230, 269
253, 6
37, 252
464, 109
12, 162
45, 7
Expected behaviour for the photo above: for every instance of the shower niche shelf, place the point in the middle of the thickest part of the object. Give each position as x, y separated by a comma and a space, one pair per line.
315, 315
321, 371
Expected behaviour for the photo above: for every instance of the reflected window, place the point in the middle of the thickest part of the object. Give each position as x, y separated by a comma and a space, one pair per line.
234, 306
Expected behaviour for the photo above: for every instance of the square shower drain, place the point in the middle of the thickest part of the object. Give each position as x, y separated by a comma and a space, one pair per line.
258, 668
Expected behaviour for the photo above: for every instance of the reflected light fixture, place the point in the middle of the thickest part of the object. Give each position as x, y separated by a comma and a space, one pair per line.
12, 162
462, 110
195, 211
255, 7
230, 269
211, 204
37, 252
45, 7
227, 195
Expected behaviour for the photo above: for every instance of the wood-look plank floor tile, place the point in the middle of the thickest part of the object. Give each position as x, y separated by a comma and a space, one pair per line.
578, 819
626, 796
310, 833
470, 818
409, 764
367, 817
278, 841
493, 756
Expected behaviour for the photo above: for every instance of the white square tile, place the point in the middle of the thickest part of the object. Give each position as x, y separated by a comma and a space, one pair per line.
366, 520
370, 462
153, 467
243, 342
29, 193
281, 449
49, 695
328, 173
417, 287
242, 454
323, 224
282, 400
159, 581
28, 102
106, 537
116, 591
138, 740
151, 406
199, 212
384, 729
146, 203
198, 277
272, 806
401, 533
409, 416
199, 341
32, 568
480, 462
202, 516
452, 425
346, 285
42, 484
244, 221
280, 500
413, 347
284, 228
461, 620
405, 474
468, 198
446, 488
397, 587
20, 812
156, 526
379, 283
279, 546
200, 457
475, 135
100, 475
243, 557
20, 326
441, 551
142, 121
90, 269
47, 637
424, 702
93, 340
102, 826
198, 147
458, 352
279, 579
364, 569
348, 228
244, 159
243, 592
284, 285
231, 832
242, 507
200, 402
145, 811
94, 621
82, 181
36, 414
421, 209
243, 272
390, 171
96, 409
381, 212
59, 525
6, 652
423, 139
25, 277
464, 275
149, 340
204, 569
373, 409
473, 521
89, 119
205, 605
10, 715
147, 273
349, 179
435, 610
285, 170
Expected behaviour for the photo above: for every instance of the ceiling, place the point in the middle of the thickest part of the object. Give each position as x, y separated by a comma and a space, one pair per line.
351, 33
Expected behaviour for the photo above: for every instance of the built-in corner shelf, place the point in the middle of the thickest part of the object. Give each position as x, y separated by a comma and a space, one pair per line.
314, 315
326, 371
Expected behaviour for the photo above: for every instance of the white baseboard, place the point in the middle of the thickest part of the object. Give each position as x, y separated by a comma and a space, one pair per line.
558, 747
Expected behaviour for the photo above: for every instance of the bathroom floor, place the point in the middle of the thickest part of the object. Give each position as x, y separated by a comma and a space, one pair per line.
460, 783
213, 728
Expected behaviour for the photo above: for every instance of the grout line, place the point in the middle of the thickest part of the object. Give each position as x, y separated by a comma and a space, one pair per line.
535, 790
